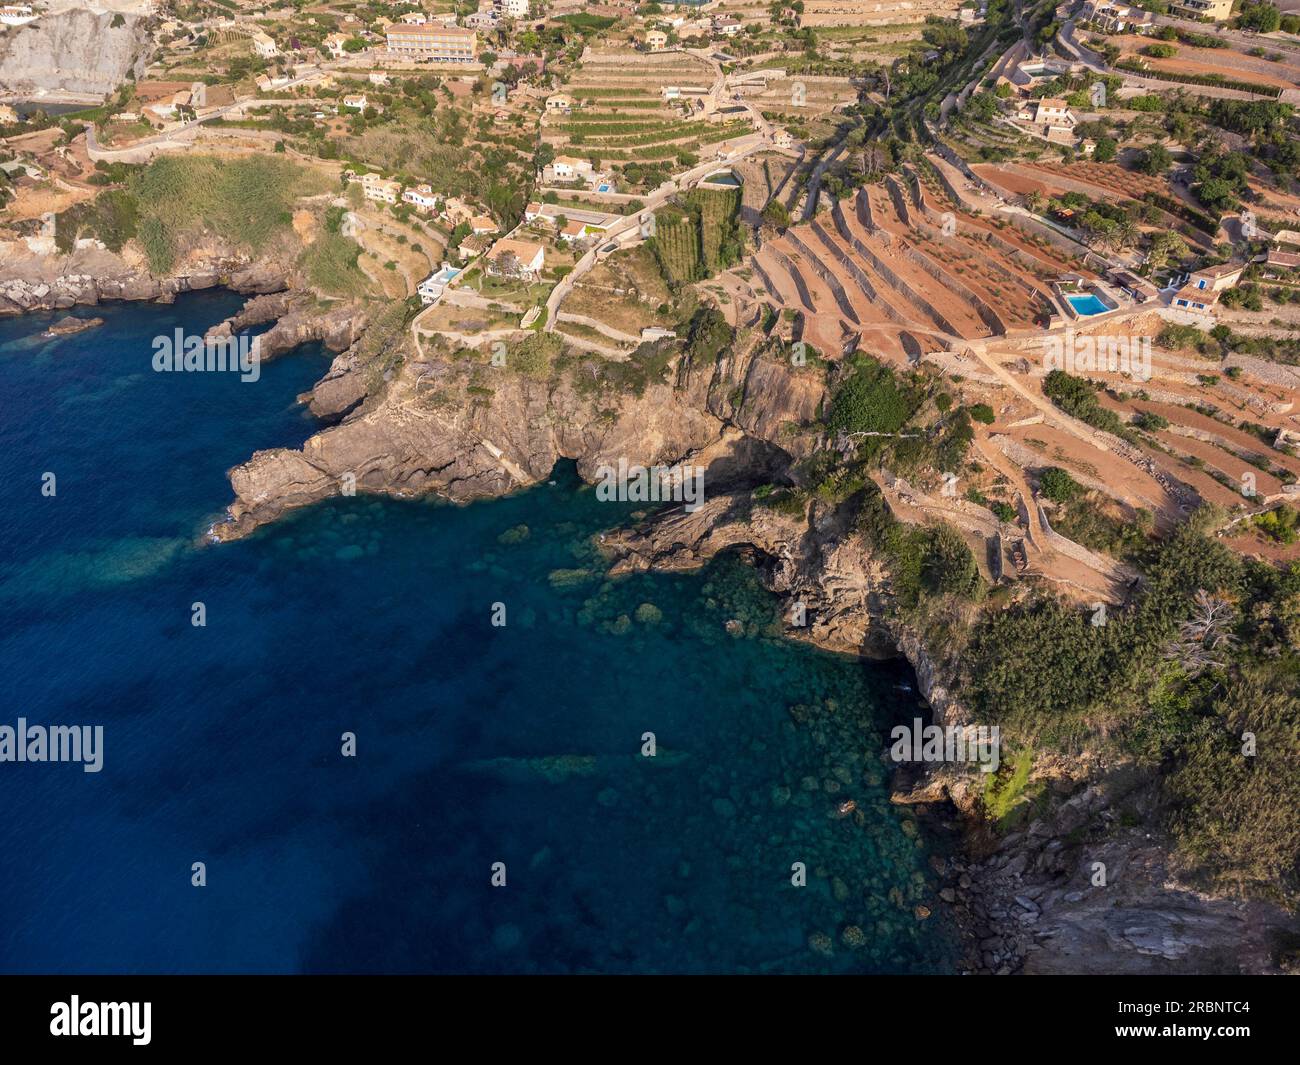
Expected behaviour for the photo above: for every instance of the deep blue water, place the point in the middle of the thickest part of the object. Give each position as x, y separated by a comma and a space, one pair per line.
475, 744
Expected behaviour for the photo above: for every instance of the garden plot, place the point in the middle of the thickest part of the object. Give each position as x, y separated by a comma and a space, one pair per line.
1227, 63
805, 103
626, 292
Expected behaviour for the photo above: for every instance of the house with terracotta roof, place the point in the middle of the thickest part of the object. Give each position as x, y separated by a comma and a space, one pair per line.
516, 258
473, 246
1054, 115
1190, 298
1216, 278
376, 187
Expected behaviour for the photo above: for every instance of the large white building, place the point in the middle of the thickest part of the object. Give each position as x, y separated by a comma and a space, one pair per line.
446, 44
265, 46
421, 197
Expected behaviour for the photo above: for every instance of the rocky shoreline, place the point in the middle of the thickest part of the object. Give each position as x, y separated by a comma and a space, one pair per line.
1024, 903
1076, 890
79, 283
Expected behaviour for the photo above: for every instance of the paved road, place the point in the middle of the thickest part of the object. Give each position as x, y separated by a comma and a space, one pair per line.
180, 134
630, 226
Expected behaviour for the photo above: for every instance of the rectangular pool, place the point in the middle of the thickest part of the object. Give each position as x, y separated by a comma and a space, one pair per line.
1087, 304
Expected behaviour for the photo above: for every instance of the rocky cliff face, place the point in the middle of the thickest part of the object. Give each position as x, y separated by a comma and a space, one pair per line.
468, 431
35, 278
1073, 892
73, 51
425, 432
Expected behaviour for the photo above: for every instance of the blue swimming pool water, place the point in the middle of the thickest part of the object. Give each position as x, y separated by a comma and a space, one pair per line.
475, 744
1087, 304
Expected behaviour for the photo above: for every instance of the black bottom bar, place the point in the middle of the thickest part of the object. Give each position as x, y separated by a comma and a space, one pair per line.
338, 1013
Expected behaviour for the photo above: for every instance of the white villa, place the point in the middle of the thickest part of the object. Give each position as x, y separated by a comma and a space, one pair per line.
516, 258
421, 197
432, 287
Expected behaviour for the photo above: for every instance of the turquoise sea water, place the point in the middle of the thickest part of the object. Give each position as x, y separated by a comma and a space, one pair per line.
475, 744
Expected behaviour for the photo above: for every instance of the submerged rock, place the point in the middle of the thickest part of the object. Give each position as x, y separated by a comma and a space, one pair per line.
69, 325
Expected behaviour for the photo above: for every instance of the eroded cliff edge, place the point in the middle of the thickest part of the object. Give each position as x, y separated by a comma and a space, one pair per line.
75, 51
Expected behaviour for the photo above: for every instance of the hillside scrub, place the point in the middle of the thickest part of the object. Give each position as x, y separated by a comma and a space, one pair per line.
246, 202
1175, 681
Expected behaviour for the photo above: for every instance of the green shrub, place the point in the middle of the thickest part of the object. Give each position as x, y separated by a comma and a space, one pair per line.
1057, 485
871, 400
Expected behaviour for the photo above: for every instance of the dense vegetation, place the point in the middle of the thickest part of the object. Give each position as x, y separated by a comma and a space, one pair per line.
175, 200
698, 236
1206, 655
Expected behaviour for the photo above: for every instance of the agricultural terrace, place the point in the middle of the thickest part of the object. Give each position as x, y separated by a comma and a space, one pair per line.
625, 292
623, 123
1066, 191
805, 104
1161, 445
698, 234
905, 269
1272, 70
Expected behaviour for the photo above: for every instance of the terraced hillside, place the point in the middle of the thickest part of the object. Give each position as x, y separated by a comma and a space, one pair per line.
622, 117
904, 267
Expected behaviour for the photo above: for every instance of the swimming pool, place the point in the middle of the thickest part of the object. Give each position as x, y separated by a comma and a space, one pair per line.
723, 177
1087, 304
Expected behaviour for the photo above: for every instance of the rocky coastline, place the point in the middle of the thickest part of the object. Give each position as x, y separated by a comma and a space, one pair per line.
36, 282
1024, 903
